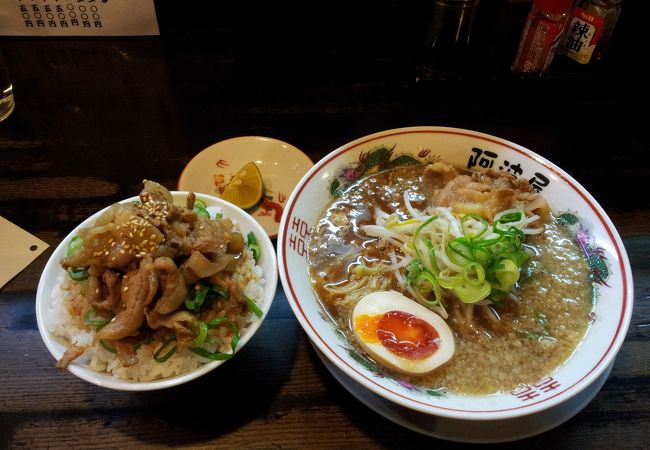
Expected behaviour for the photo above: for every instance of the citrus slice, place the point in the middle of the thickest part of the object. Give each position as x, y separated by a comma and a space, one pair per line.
246, 187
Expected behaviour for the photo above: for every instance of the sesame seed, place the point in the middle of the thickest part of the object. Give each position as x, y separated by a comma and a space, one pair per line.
126, 288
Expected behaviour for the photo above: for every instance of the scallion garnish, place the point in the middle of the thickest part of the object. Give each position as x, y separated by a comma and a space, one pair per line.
201, 211
254, 246
144, 341
91, 319
107, 347
197, 296
74, 246
76, 273
220, 291
204, 292
483, 262
203, 333
161, 359
220, 356
253, 307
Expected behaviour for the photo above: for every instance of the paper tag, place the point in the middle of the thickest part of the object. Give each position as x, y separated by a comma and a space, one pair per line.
19, 248
78, 18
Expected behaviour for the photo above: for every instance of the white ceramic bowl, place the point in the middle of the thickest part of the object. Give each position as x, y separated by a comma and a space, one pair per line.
476, 151
53, 270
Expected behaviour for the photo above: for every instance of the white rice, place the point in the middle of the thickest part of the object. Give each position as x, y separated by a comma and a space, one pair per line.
72, 329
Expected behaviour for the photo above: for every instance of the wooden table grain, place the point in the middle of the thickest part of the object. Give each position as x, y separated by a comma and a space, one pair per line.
94, 117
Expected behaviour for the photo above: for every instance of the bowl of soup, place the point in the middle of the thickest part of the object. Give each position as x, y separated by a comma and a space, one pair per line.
457, 276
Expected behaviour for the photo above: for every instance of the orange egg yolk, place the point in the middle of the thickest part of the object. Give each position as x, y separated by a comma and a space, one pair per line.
400, 332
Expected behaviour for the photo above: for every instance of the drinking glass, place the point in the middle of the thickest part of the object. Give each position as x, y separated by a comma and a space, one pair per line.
6, 91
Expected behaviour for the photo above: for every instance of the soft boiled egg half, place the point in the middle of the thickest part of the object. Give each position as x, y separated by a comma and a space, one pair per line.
401, 333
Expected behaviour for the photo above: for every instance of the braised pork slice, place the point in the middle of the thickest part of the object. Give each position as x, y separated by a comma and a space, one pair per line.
138, 289
484, 193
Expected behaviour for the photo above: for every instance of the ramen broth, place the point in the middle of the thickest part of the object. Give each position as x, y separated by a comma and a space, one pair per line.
518, 342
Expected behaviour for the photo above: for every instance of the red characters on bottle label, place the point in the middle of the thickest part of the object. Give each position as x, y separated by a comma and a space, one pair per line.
582, 35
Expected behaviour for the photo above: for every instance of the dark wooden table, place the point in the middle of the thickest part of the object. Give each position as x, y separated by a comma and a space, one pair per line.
96, 116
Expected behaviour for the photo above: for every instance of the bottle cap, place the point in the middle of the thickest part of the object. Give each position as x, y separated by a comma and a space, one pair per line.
554, 6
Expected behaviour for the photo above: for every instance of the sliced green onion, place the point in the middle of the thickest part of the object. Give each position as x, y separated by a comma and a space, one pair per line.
484, 262
254, 246
220, 291
253, 307
474, 274
424, 225
218, 216
200, 203
203, 333
74, 246
465, 227
201, 211
92, 320
220, 356
77, 273
459, 251
508, 217
449, 281
508, 273
161, 359
106, 346
197, 296
146, 340
470, 293
425, 278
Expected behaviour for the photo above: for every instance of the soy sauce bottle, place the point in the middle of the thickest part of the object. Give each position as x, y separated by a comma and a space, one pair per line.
542, 35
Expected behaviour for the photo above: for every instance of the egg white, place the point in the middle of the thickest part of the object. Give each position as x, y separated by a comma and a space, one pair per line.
381, 302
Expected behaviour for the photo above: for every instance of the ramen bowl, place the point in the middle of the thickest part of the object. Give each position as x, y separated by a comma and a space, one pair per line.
49, 287
531, 407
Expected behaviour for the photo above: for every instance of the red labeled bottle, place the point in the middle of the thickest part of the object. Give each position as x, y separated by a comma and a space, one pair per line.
542, 35
591, 26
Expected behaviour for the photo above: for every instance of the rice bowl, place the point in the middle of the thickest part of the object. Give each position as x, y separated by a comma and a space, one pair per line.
99, 365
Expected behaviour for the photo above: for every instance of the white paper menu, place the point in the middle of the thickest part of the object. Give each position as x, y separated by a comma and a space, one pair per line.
78, 18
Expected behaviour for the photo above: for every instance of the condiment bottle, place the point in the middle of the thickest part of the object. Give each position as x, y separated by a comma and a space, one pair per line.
591, 26
541, 36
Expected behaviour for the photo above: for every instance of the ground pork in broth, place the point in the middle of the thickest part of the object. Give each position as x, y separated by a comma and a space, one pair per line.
515, 343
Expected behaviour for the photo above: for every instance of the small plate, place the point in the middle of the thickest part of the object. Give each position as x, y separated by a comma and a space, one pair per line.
466, 431
282, 165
